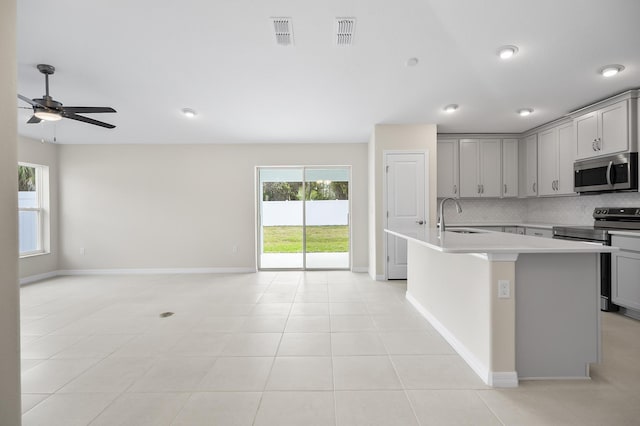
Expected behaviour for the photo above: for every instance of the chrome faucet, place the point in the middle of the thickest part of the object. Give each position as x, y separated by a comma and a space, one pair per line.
441, 217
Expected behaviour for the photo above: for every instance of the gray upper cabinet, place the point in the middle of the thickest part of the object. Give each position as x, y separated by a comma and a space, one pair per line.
540, 164
566, 158
603, 131
555, 160
480, 168
510, 167
547, 161
529, 164
448, 174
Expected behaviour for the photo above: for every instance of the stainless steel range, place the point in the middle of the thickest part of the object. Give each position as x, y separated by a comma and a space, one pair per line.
605, 218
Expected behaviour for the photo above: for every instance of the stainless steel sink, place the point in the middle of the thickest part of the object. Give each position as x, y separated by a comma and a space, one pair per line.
466, 231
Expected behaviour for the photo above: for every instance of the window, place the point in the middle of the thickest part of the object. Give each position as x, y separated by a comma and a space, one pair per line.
33, 200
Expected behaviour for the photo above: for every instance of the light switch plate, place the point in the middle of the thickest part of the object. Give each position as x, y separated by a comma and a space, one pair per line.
504, 289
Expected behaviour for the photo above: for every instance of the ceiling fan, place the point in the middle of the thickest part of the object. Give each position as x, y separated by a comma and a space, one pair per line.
48, 109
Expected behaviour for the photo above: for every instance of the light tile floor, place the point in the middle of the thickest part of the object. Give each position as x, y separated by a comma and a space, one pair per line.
280, 348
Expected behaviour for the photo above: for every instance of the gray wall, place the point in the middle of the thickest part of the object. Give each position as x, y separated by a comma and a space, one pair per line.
9, 297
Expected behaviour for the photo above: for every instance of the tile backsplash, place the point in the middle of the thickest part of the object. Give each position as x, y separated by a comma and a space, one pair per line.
570, 210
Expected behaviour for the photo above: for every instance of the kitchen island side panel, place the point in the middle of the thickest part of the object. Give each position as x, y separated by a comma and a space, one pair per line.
557, 315
454, 290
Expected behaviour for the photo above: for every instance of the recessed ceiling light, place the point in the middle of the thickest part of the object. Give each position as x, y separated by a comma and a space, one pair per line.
506, 52
412, 62
525, 111
451, 108
610, 70
188, 112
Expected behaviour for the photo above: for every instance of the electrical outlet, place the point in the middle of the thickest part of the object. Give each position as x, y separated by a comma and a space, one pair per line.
235, 249
82, 252
504, 290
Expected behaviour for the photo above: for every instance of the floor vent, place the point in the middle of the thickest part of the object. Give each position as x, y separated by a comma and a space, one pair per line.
345, 28
283, 31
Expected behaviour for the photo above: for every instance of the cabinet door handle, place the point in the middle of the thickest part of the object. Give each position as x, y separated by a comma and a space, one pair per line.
478, 189
455, 189
533, 187
599, 144
505, 188
593, 145
482, 189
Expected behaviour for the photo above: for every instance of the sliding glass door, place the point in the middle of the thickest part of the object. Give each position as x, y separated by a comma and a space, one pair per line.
303, 218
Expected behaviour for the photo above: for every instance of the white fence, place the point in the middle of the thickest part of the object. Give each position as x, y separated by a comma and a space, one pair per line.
289, 213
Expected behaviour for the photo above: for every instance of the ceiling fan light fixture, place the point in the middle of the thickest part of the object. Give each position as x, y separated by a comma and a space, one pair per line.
525, 112
610, 70
451, 108
48, 115
189, 113
507, 52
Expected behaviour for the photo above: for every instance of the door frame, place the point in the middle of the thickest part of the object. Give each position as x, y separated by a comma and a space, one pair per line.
258, 225
385, 221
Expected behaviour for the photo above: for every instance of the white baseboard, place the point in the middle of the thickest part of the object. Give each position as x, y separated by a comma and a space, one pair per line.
359, 269
503, 379
497, 379
39, 277
158, 271
381, 278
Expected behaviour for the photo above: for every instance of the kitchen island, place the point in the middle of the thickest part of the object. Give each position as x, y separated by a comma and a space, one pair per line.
513, 306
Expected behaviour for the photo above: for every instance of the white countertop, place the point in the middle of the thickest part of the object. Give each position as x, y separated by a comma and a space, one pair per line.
495, 242
623, 232
521, 224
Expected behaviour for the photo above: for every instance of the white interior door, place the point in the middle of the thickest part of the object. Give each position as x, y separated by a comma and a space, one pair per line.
406, 212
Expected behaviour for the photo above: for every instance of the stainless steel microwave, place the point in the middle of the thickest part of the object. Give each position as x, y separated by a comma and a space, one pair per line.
607, 174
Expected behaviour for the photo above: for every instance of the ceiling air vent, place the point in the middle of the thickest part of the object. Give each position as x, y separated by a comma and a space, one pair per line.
345, 27
283, 31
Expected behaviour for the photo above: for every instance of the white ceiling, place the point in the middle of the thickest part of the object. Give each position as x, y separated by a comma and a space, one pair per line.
148, 59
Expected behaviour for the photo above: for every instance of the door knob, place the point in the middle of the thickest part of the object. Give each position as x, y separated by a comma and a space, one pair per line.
420, 222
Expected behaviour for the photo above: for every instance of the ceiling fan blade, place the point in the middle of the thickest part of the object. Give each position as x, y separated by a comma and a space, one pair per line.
87, 120
34, 119
87, 110
29, 101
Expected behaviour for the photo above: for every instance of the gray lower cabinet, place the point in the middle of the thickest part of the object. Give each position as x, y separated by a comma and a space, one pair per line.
514, 230
490, 228
625, 270
539, 232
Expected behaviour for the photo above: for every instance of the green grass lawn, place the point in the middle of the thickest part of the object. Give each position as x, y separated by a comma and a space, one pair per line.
320, 239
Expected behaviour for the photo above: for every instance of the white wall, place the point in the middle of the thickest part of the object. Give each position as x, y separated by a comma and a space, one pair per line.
199, 202
9, 296
36, 152
421, 137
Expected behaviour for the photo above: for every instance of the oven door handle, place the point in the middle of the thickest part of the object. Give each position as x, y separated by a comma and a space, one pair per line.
609, 166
